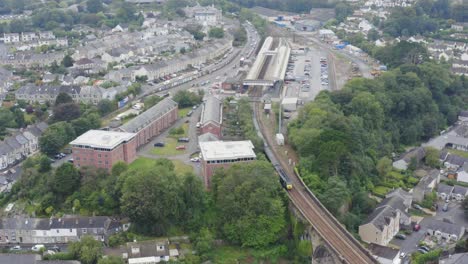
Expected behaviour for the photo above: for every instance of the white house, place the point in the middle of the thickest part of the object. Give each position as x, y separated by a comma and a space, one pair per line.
443, 230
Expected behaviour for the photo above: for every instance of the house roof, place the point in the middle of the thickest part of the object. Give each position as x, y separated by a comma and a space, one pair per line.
21, 139
48, 89
383, 252
5, 148
148, 248
19, 258
394, 202
13, 143
460, 258
460, 190
207, 137
212, 109
381, 216
442, 188
80, 222
445, 227
456, 160
399, 193
147, 117
24, 223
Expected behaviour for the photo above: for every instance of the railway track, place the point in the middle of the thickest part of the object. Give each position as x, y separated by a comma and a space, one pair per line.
332, 232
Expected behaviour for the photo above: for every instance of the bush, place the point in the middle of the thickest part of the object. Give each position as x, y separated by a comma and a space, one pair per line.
176, 131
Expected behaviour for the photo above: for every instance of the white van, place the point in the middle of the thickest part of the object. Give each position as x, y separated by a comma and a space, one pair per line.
37, 248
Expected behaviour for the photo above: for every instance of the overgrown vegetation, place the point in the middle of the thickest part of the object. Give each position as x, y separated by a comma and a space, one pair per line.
342, 135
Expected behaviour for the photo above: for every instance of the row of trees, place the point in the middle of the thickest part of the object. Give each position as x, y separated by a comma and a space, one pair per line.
342, 135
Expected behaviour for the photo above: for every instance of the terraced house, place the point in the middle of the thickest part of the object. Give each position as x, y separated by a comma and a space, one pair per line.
56, 230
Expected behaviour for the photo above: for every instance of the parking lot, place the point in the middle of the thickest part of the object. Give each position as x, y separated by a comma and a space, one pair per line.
307, 74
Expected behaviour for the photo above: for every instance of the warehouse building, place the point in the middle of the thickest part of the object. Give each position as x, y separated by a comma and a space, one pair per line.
212, 116
222, 154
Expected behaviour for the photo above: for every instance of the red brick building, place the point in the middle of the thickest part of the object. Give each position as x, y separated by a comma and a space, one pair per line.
222, 154
212, 116
152, 122
102, 149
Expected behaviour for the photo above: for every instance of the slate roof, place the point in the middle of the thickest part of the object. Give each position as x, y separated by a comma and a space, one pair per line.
442, 188
395, 202
21, 139
207, 137
147, 249
80, 222
19, 258
5, 148
48, 89
460, 258
24, 224
445, 227
144, 119
12, 143
460, 190
383, 251
212, 108
42, 126
381, 216
456, 160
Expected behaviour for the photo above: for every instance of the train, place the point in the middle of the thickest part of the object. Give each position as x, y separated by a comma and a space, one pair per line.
283, 177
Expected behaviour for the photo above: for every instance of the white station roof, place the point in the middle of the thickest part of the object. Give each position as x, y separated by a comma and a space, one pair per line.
221, 150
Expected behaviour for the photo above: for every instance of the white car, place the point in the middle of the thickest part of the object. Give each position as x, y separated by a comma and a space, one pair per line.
196, 159
37, 248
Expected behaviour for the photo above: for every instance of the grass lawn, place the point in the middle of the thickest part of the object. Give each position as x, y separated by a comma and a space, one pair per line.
183, 112
28, 117
168, 149
181, 168
184, 126
396, 175
458, 152
380, 190
141, 162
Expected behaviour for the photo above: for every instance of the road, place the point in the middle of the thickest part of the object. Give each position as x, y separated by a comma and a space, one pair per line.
330, 230
226, 70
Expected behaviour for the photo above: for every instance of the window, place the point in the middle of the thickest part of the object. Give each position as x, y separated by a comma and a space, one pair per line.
71, 230
84, 230
58, 231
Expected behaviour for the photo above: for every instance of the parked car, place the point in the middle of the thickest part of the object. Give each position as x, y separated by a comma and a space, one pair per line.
16, 248
400, 236
196, 159
159, 144
38, 247
183, 140
402, 255
417, 206
445, 208
70, 160
422, 250
55, 248
182, 147
416, 227
425, 248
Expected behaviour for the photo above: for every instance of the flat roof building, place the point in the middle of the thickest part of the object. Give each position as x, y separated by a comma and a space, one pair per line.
222, 154
102, 149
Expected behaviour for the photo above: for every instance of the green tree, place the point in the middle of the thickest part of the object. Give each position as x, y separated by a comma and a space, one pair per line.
432, 157
66, 112
342, 10
63, 98
204, 242
106, 106
250, 209
67, 61
111, 260
151, 195
44, 164
94, 6
384, 167
216, 32
88, 250
7, 120
66, 180
186, 98
55, 137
